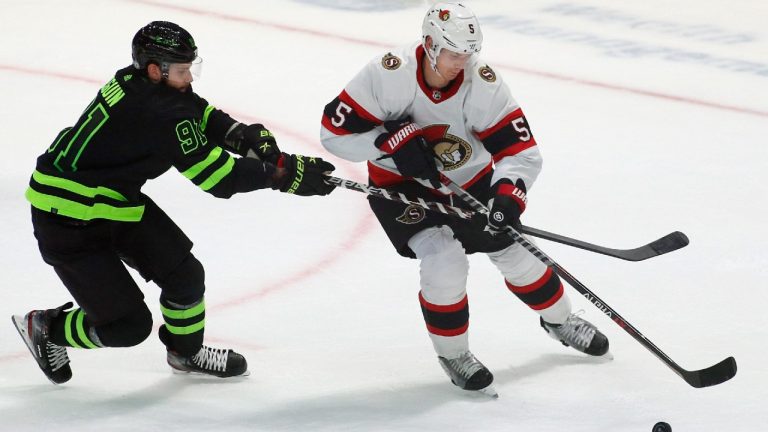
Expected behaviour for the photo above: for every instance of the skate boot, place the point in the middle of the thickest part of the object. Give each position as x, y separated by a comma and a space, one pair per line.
466, 372
218, 362
579, 334
34, 329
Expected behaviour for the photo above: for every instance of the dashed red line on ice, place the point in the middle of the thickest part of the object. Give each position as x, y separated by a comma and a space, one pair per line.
533, 72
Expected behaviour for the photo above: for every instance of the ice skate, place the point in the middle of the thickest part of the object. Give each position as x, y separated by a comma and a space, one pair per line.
579, 334
34, 329
466, 372
223, 363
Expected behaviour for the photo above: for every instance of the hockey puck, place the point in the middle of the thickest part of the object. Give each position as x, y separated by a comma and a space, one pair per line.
662, 427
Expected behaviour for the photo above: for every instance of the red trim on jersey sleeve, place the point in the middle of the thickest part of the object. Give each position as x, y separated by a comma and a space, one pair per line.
488, 168
326, 122
510, 136
503, 122
362, 112
357, 110
514, 149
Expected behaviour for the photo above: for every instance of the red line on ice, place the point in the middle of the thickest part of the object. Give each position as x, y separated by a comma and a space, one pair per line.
362, 227
534, 72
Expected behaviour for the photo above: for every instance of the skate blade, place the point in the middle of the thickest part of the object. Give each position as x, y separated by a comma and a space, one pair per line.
21, 327
205, 375
490, 391
608, 356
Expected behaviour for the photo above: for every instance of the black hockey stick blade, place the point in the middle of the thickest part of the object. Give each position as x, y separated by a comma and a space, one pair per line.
712, 375
668, 243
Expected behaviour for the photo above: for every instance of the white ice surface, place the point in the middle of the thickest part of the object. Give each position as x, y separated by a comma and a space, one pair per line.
652, 117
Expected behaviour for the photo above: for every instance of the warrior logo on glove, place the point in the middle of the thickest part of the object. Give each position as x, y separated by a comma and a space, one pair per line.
507, 205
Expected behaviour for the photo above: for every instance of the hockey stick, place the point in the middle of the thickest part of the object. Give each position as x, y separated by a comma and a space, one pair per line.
668, 243
710, 376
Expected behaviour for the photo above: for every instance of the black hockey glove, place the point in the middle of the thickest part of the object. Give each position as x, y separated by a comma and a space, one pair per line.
506, 206
475, 237
405, 144
303, 175
254, 141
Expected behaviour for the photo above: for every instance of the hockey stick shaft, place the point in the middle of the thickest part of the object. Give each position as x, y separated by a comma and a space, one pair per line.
400, 197
713, 375
668, 243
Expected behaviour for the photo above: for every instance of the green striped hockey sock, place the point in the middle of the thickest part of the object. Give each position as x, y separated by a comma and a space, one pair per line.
184, 326
72, 329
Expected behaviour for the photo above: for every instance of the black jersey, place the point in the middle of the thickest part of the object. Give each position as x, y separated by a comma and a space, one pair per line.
133, 131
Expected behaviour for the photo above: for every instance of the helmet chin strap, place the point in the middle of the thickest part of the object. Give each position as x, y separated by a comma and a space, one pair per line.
433, 60
164, 69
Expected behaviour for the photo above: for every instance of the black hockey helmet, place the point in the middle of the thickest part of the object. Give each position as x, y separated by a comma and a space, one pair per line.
162, 42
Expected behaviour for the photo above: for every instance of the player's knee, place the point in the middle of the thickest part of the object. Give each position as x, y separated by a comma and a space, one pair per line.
518, 265
186, 283
444, 265
129, 330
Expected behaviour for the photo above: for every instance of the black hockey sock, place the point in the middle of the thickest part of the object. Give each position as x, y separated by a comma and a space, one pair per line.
445, 320
72, 329
184, 326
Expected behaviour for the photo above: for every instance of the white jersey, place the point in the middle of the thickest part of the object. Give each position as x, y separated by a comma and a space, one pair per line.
472, 124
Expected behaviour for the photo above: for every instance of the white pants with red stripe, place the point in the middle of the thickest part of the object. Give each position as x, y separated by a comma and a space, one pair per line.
443, 279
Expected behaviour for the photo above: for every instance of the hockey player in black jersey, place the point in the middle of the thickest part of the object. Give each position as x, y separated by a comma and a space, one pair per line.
90, 217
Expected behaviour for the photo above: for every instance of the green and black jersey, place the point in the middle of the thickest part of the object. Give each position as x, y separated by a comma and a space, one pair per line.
133, 131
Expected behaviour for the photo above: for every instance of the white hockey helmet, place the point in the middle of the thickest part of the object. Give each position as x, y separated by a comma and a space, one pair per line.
452, 26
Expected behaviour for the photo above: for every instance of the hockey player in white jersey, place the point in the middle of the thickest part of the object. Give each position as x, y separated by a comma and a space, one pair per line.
437, 101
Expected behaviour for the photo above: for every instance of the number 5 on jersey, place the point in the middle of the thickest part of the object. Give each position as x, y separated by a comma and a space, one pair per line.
341, 114
523, 133
344, 116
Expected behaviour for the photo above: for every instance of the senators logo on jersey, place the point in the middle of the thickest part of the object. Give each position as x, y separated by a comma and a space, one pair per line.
452, 151
413, 214
487, 73
391, 62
